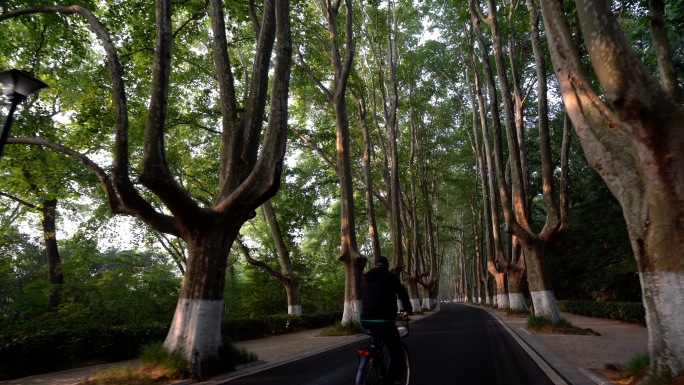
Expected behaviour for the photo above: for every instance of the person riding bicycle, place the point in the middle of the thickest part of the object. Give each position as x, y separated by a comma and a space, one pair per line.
379, 310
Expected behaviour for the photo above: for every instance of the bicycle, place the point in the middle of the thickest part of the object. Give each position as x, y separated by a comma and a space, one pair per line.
372, 364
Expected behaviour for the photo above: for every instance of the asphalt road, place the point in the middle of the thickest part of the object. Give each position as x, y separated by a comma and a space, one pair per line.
459, 345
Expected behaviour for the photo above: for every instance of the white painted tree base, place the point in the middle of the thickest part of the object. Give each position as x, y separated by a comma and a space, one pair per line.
666, 323
294, 309
517, 301
195, 332
502, 301
415, 304
352, 312
428, 303
545, 305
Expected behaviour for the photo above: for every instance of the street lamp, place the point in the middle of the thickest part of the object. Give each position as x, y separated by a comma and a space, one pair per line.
18, 85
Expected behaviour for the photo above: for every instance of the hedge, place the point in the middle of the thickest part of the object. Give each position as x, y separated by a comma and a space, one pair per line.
40, 350
44, 350
632, 312
249, 328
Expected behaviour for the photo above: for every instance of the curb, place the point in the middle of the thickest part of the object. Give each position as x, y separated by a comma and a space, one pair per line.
260, 366
594, 377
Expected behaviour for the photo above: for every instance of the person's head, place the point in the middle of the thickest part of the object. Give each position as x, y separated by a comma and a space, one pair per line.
382, 262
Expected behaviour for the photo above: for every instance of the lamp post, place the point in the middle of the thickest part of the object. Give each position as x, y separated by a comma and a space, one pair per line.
18, 85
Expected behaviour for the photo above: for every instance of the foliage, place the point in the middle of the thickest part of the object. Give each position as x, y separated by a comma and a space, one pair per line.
623, 311
174, 364
593, 260
114, 287
251, 292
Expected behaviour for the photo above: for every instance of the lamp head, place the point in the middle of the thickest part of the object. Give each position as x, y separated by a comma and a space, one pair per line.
18, 85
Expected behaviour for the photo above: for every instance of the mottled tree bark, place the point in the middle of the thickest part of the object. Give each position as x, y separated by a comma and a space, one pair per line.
634, 141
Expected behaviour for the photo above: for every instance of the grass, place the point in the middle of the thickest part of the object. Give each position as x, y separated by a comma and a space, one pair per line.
172, 365
158, 367
339, 329
545, 325
634, 372
121, 375
628, 374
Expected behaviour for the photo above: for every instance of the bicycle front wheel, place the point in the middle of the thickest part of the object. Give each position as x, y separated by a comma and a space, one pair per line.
407, 360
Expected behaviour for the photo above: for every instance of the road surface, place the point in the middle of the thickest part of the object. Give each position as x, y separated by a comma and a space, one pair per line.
459, 345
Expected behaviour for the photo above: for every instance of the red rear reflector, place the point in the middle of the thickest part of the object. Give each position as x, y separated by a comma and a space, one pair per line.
364, 352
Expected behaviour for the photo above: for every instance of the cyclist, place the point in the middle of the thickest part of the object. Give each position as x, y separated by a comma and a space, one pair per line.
379, 310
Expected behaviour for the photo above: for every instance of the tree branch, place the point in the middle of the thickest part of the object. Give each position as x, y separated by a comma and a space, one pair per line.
18, 200
301, 63
263, 265
155, 219
129, 201
314, 147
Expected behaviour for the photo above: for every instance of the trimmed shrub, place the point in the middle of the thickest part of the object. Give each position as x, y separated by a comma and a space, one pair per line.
632, 312
249, 328
44, 350
38, 348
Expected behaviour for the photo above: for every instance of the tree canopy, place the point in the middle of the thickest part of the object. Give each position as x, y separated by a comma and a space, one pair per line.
444, 135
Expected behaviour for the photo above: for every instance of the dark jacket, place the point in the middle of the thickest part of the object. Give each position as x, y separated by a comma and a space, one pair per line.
380, 291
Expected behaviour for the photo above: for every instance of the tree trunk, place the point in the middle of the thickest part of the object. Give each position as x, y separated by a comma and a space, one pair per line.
412, 288
352, 260
350, 257
294, 296
502, 300
663, 49
49, 212
286, 276
514, 273
397, 264
543, 300
431, 283
492, 164
636, 148
368, 179
413, 263
195, 331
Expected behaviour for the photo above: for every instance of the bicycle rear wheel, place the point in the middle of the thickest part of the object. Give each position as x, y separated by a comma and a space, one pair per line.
374, 371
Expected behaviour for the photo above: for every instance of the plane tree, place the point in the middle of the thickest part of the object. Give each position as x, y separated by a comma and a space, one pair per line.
632, 134
141, 178
334, 35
